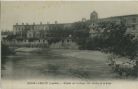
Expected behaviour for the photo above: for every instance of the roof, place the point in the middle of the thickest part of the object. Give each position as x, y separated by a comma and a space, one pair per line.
78, 21
134, 15
42, 24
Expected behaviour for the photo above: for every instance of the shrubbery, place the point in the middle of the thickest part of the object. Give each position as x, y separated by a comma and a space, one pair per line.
5, 50
115, 41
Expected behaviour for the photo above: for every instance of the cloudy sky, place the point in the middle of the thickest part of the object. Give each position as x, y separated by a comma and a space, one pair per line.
63, 12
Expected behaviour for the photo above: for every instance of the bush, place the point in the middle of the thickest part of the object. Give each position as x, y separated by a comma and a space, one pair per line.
116, 41
5, 50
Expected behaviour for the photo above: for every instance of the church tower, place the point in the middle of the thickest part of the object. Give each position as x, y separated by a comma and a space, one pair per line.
94, 16
93, 25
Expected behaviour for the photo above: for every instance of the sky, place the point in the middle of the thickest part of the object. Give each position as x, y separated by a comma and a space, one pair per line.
63, 12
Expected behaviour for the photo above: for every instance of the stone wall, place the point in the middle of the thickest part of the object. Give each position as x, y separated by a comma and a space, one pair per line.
65, 45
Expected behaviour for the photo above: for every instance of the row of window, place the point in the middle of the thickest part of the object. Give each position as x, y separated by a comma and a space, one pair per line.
134, 20
33, 28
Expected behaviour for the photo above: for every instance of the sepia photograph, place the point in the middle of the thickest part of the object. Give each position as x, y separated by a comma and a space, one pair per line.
57, 44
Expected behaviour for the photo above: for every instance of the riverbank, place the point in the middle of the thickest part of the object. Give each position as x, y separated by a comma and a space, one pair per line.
82, 54
25, 49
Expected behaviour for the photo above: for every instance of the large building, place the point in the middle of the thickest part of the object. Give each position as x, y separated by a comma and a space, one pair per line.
41, 33
37, 34
37, 31
26, 31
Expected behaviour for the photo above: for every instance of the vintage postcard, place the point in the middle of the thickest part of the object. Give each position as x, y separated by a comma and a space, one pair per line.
69, 44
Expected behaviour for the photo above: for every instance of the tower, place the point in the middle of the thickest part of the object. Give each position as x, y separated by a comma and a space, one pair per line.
94, 16
93, 25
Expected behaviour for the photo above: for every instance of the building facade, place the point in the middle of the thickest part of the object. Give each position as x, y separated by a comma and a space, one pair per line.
25, 31
40, 33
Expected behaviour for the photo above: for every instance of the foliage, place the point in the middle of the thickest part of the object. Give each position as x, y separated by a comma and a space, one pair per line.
79, 32
115, 40
5, 50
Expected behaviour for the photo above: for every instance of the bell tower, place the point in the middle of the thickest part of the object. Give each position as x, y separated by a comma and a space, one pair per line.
94, 16
93, 25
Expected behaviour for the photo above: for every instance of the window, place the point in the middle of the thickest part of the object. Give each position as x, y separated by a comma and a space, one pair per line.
134, 27
134, 20
20, 29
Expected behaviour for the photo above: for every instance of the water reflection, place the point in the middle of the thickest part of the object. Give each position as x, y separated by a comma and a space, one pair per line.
45, 64
26, 65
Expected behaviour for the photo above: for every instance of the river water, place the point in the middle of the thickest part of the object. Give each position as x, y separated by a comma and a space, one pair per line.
56, 64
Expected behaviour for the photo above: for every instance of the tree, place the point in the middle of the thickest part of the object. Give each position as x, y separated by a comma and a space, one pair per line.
114, 39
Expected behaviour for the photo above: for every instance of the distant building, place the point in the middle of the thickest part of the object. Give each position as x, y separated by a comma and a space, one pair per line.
37, 31
41, 33
93, 24
30, 31
94, 16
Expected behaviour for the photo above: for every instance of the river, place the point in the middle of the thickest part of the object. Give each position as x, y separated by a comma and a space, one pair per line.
57, 64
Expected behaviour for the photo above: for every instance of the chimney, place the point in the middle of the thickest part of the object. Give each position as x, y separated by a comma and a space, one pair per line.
41, 23
22, 23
